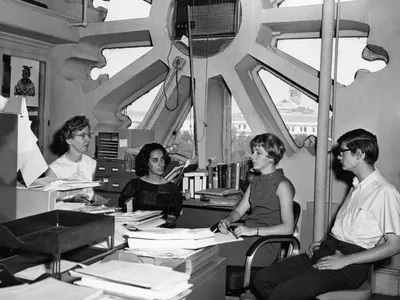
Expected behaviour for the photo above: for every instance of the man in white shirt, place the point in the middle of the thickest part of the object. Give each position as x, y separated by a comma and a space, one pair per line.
366, 230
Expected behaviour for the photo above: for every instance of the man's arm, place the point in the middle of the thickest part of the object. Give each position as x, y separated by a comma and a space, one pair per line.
338, 261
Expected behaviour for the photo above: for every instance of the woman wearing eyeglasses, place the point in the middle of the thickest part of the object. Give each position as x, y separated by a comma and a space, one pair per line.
75, 164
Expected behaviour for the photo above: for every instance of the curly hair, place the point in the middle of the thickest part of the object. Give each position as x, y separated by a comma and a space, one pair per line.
143, 157
271, 143
73, 125
362, 140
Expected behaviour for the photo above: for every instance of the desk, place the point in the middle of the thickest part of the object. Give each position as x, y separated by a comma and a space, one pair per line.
208, 282
196, 215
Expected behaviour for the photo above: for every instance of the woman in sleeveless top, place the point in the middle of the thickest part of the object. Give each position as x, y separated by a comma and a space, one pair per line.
268, 199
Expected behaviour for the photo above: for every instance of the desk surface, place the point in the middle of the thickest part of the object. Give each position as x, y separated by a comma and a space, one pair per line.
208, 282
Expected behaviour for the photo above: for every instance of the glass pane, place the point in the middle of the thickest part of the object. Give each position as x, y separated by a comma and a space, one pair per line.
118, 59
288, 3
137, 110
124, 9
241, 135
349, 60
298, 111
184, 138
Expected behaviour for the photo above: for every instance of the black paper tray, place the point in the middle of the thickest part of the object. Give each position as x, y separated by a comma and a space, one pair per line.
56, 232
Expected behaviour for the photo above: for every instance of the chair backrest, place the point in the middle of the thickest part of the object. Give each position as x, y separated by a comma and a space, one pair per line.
286, 248
296, 212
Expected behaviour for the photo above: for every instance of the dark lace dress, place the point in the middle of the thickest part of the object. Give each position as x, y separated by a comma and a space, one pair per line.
147, 196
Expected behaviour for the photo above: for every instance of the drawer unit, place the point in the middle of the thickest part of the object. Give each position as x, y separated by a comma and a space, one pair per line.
109, 168
111, 173
116, 184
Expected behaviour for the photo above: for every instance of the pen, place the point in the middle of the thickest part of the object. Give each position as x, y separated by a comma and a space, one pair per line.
233, 232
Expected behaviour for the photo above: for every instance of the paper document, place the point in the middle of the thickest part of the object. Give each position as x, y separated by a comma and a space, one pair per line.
173, 234
130, 291
135, 243
157, 277
50, 289
221, 238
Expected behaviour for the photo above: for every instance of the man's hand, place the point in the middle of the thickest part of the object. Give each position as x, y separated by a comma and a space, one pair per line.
314, 246
332, 262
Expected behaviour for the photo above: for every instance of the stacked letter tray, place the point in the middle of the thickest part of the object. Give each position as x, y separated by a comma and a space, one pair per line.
56, 232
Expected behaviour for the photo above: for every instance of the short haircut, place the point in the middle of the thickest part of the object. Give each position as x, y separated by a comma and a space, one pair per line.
73, 125
271, 143
143, 157
363, 140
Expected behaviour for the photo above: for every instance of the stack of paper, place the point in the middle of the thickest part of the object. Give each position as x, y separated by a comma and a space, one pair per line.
128, 279
163, 238
166, 240
136, 218
50, 289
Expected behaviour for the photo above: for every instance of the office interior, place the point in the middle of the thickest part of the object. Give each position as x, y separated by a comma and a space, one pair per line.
202, 69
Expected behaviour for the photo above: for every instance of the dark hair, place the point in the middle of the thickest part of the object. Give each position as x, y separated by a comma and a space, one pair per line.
142, 159
363, 140
271, 143
73, 125
28, 69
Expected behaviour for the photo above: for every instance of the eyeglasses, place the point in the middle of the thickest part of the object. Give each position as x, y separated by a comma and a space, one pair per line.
341, 151
85, 135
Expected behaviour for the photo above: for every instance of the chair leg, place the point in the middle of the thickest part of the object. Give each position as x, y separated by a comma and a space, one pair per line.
247, 295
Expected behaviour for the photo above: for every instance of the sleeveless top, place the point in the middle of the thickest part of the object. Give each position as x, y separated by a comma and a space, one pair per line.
264, 202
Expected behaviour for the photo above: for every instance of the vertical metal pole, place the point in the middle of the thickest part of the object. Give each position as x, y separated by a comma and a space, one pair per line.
192, 89
334, 92
325, 84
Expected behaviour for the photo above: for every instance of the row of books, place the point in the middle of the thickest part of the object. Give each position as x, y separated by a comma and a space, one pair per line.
223, 176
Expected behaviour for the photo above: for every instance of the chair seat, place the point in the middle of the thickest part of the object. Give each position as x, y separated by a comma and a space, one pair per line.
362, 293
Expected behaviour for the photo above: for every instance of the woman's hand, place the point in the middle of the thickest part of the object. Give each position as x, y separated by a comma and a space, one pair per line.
224, 226
244, 231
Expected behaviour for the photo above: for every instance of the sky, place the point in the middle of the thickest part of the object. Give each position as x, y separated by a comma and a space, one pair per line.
308, 51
